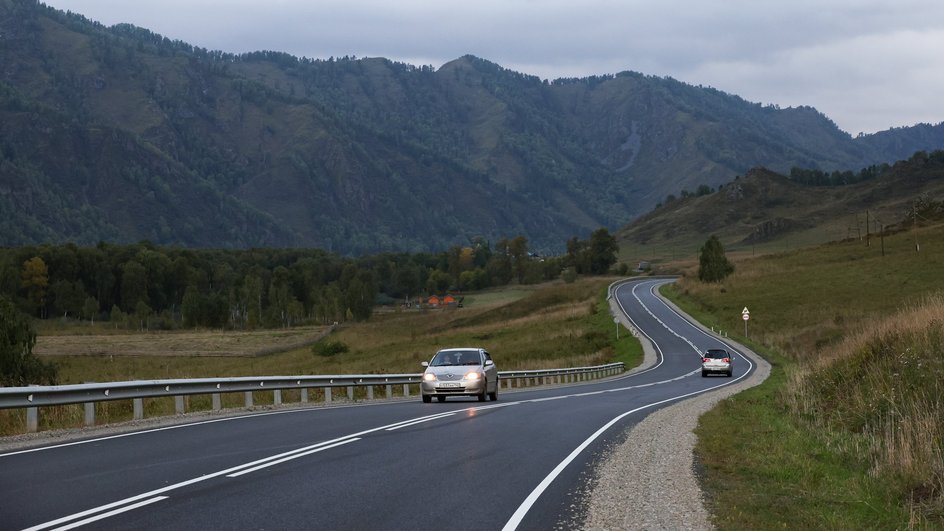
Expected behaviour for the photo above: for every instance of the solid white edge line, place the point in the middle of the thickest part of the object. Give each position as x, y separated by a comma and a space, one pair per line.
296, 456
111, 513
526, 505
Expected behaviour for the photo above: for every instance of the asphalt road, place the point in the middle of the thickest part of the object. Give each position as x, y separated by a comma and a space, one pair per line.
521, 462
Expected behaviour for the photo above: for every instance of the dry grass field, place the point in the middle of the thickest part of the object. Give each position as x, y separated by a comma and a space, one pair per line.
215, 343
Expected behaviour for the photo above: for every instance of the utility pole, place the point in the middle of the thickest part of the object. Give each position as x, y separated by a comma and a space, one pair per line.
914, 226
883, 239
868, 231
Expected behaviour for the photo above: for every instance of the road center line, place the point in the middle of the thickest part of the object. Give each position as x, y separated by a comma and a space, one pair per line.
289, 458
111, 513
228, 471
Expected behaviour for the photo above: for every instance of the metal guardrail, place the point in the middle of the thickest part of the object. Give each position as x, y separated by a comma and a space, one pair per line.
35, 396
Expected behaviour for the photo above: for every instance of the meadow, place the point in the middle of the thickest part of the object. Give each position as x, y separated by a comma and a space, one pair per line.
849, 430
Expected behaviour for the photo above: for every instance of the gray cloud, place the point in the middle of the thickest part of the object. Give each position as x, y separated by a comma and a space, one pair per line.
867, 64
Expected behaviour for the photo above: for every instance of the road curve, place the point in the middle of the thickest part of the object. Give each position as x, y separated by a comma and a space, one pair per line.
517, 463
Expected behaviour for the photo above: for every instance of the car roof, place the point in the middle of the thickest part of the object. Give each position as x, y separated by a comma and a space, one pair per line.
460, 349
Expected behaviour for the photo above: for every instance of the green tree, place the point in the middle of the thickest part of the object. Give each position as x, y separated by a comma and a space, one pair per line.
34, 280
713, 265
134, 285
437, 282
18, 365
602, 250
577, 256
90, 309
360, 296
518, 250
499, 266
142, 312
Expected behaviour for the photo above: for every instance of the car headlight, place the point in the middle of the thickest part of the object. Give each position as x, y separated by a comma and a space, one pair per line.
429, 377
473, 376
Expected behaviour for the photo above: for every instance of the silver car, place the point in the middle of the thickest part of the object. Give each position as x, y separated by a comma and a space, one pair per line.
460, 372
717, 360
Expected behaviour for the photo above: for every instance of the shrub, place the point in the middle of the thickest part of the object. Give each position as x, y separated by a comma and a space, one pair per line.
329, 348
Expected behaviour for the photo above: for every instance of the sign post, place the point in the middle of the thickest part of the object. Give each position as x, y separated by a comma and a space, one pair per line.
616, 320
746, 316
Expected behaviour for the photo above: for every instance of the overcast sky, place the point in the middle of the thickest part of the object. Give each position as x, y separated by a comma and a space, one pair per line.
868, 65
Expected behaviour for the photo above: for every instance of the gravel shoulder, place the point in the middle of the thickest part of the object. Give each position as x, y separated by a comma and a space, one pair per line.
649, 481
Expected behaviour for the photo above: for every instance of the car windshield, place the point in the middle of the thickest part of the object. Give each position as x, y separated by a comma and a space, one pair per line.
456, 357
716, 354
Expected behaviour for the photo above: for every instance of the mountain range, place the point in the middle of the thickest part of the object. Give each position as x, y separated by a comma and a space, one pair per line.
119, 134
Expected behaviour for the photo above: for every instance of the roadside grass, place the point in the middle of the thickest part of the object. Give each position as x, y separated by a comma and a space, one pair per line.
764, 470
540, 327
848, 432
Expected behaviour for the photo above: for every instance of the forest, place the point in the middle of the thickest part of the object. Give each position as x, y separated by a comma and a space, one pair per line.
143, 286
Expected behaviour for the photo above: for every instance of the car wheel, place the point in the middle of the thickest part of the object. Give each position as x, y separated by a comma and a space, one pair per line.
441, 398
483, 394
730, 373
427, 399
493, 396
704, 374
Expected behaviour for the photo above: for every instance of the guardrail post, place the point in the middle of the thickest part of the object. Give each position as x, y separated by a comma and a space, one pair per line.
406, 389
32, 419
389, 391
305, 395
327, 394
179, 404
277, 397
370, 392
89, 413
138, 407
248, 398
217, 402
350, 392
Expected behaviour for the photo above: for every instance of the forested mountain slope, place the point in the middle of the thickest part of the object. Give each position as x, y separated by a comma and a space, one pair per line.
120, 134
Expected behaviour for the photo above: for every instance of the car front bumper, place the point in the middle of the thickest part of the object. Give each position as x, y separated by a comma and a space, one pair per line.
452, 388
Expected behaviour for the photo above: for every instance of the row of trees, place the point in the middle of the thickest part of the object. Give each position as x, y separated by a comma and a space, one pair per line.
143, 286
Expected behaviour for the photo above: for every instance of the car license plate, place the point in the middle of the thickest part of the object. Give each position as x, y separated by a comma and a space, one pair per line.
451, 384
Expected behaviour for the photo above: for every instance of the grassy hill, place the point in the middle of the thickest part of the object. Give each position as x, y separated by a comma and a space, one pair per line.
119, 134
763, 211
847, 432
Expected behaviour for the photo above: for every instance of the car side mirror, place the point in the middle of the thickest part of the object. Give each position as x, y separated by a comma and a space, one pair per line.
489, 363
425, 364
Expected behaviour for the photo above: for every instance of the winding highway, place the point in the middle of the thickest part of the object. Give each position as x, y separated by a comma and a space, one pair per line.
519, 463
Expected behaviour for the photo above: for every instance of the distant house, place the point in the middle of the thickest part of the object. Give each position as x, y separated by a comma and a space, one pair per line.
643, 266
